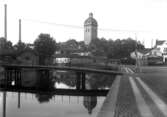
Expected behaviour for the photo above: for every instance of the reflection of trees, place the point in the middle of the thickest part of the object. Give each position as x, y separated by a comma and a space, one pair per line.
96, 80
44, 83
68, 79
100, 81
42, 97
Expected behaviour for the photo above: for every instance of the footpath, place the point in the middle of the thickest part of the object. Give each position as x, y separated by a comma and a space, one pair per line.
130, 96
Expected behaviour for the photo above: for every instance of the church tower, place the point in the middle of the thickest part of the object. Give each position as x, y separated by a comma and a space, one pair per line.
90, 29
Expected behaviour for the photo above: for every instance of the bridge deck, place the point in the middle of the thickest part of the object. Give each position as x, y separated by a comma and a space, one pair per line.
66, 68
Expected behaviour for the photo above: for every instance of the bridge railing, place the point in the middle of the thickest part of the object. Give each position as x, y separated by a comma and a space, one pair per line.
79, 71
65, 68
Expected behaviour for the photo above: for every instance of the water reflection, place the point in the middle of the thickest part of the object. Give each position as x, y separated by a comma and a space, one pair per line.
90, 103
41, 97
60, 105
4, 104
43, 86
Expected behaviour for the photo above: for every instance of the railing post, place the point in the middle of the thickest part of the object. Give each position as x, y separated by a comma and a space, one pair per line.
78, 80
6, 75
17, 77
83, 80
19, 105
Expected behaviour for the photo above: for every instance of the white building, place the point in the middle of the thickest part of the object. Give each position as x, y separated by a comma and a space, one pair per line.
143, 55
161, 45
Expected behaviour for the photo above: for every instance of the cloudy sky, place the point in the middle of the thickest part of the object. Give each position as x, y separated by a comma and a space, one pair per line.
63, 19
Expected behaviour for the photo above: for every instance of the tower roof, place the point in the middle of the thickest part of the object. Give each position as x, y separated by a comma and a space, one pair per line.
90, 20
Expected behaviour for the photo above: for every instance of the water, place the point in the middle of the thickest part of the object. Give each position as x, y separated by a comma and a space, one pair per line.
58, 105
40, 95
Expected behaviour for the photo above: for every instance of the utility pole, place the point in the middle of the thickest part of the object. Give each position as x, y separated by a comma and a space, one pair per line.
136, 53
19, 30
137, 57
5, 35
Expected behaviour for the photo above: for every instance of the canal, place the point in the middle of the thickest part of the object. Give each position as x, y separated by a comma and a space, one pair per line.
39, 94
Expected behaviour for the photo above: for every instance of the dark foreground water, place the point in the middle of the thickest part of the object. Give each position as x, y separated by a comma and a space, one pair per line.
40, 95
27, 105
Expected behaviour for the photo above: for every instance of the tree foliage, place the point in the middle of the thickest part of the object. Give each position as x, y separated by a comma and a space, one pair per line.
45, 46
5, 45
98, 47
20, 46
114, 49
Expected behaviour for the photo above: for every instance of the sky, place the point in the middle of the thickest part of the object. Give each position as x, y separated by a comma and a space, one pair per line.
144, 20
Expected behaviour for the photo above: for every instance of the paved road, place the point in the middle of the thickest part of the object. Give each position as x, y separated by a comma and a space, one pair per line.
138, 94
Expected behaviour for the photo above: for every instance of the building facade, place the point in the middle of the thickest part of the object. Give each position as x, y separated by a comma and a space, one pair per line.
90, 29
161, 45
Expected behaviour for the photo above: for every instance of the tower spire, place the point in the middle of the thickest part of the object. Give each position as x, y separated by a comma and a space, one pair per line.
91, 14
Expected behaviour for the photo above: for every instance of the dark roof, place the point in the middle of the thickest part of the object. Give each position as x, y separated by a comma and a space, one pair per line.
145, 51
90, 20
160, 42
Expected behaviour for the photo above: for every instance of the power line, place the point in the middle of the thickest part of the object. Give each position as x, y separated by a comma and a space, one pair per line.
81, 27
52, 23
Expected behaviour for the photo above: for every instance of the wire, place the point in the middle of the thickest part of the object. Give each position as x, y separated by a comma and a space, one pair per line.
81, 27
52, 23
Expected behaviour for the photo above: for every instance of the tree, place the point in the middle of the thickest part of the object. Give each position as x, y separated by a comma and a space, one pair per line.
6, 51
20, 46
98, 47
5, 45
45, 46
121, 49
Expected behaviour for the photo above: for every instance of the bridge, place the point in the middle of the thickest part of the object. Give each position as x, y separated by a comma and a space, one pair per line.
64, 68
15, 71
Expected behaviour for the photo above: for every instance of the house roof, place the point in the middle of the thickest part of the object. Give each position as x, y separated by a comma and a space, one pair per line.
145, 51
160, 42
